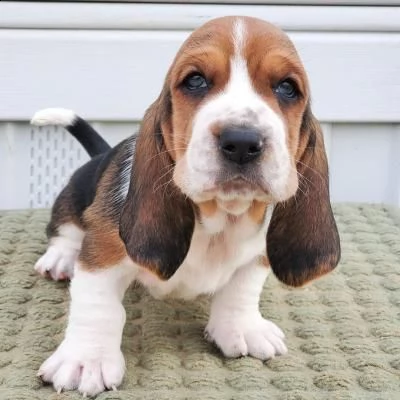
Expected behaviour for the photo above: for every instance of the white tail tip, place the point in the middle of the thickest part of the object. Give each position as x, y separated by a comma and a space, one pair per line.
54, 116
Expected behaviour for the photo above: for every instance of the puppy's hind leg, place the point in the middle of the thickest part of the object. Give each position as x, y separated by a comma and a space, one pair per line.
61, 254
65, 230
65, 240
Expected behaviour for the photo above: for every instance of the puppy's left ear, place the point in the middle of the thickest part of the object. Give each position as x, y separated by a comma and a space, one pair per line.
157, 220
303, 241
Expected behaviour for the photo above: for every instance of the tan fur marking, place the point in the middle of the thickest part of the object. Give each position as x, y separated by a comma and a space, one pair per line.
215, 129
102, 246
263, 260
257, 211
208, 208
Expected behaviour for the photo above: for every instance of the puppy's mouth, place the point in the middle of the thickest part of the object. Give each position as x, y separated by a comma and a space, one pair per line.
239, 186
236, 195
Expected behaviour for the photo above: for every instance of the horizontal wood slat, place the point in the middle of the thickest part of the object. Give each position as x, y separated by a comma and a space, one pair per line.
189, 16
115, 75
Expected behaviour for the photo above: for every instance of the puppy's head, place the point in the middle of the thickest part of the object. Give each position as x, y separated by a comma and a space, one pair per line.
232, 126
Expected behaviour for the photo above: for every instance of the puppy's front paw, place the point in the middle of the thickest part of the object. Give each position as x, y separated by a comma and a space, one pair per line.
254, 336
58, 262
69, 368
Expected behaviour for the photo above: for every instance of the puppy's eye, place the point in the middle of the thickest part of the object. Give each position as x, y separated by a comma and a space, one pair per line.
195, 83
287, 90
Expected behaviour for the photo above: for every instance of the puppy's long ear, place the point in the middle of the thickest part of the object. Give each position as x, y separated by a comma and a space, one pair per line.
157, 220
302, 240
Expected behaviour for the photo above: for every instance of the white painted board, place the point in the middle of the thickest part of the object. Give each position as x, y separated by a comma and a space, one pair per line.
115, 75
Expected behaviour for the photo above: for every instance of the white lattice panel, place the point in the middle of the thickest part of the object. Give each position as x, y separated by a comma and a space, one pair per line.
35, 163
54, 155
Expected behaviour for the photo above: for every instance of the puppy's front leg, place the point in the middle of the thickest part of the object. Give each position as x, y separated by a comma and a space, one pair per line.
89, 358
236, 325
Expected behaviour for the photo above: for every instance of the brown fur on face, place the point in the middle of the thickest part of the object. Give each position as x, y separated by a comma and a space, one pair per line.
208, 51
257, 211
271, 57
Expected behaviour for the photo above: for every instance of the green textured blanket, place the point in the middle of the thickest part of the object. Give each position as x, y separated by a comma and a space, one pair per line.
343, 331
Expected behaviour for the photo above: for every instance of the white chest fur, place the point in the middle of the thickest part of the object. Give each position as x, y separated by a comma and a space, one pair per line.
220, 245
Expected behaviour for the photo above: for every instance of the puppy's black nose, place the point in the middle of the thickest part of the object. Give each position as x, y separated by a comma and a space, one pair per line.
240, 144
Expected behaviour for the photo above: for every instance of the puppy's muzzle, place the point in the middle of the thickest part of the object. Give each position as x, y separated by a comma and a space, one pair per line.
241, 144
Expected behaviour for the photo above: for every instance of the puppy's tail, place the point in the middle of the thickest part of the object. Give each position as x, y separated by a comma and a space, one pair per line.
92, 142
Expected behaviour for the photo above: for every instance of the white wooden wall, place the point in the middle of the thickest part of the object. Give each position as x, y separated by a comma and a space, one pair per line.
108, 61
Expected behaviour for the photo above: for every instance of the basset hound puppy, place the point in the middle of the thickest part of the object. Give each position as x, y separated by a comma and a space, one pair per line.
226, 180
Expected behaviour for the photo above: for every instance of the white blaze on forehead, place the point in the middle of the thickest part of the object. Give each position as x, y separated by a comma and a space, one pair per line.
239, 89
239, 36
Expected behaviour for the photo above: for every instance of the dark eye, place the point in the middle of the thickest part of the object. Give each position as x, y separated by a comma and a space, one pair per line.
195, 83
287, 90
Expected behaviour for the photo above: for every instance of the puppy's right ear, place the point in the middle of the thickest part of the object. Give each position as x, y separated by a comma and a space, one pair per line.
157, 219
